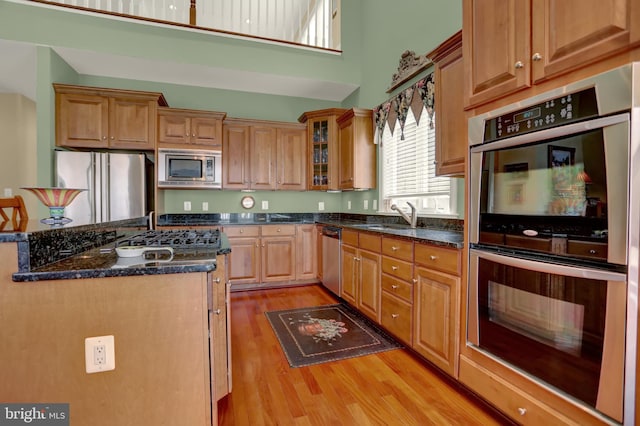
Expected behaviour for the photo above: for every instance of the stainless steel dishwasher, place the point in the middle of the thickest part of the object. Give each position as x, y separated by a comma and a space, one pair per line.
331, 269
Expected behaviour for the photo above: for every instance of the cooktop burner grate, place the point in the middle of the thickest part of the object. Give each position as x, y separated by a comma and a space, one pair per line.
198, 238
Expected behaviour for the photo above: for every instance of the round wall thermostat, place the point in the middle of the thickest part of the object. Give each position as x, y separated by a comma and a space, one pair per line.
247, 202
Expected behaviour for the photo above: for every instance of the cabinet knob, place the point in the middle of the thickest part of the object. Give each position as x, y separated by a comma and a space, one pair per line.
394, 316
104, 137
394, 286
592, 251
217, 280
217, 311
394, 248
394, 268
278, 229
519, 65
257, 245
262, 244
415, 280
357, 259
112, 137
242, 231
432, 257
194, 135
522, 411
536, 57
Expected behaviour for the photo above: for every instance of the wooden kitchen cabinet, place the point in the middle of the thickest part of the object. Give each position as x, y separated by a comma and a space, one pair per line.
451, 128
323, 150
437, 306
361, 272
263, 155
357, 150
264, 255
396, 313
220, 325
183, 128
510, 45
306, 246
91, 117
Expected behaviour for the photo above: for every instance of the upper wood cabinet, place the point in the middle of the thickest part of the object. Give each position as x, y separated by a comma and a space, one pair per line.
451, 129
91, 117
183, 128
511, 44
323, 153
263, 155
357, 150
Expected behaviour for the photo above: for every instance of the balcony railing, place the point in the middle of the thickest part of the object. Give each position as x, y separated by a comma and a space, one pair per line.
305, 22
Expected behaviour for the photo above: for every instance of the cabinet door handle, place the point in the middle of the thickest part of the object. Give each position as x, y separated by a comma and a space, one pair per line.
394, 248
217, 312
217, 280
415, 281
592, 251
519, 65
394, 316
432, 257
522, 411
394, 268
536, 57
394, 286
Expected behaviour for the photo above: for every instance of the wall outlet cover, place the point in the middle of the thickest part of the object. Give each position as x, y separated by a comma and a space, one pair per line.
374, 205
366, 204
320, 205
205, 206
265, 204
348, 205
187, 206
99, 354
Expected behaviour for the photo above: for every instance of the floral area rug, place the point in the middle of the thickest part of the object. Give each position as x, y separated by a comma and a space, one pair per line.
327, 333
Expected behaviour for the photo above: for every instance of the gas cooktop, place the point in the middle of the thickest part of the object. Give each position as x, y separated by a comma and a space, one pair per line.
181, 239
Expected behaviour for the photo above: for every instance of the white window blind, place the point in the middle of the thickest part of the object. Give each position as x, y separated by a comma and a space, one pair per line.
408, 169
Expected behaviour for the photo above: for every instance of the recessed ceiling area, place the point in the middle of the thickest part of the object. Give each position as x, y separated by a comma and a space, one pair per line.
18, 74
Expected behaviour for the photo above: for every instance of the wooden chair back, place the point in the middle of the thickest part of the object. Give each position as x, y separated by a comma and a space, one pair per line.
19, 214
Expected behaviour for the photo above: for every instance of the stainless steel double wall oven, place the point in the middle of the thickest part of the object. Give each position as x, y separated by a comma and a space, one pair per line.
553, 233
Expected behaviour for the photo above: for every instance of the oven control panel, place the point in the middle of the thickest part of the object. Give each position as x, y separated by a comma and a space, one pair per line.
551, 113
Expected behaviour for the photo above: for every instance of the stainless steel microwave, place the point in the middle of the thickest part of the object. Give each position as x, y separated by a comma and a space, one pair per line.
189, 168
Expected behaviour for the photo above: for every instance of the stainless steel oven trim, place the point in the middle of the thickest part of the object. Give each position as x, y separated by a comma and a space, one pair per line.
616, 131
612, 384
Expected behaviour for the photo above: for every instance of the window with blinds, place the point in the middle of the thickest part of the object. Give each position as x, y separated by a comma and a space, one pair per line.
408, 169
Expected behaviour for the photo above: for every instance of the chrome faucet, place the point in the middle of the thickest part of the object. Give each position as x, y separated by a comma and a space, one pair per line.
150, 221
413, 219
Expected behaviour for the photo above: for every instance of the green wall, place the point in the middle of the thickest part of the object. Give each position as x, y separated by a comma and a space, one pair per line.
374, 35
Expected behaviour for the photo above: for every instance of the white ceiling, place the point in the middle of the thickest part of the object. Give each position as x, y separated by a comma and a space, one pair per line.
18, 74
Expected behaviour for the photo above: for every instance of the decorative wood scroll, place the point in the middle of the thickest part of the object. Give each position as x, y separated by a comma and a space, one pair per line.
410, 65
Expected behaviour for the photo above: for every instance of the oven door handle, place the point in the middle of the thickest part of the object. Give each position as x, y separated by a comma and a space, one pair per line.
550, 268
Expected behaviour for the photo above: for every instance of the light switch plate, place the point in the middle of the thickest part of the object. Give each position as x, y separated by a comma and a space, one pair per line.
320, 205
99, 354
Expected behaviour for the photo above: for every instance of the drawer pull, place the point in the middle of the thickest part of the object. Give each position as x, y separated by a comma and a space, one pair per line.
394, 268
522, 411
278, 229
357, 259
217, 311
394, 248
217, 280
242, 231
394, 286
592, 251
433, 257
394, 316
415, 281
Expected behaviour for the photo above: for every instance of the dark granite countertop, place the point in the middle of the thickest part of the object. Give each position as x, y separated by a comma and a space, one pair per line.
104, 262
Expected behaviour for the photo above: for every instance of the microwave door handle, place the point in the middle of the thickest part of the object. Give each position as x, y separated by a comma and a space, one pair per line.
550, 268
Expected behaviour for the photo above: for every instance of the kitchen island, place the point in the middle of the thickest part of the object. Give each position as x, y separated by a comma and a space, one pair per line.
167, 368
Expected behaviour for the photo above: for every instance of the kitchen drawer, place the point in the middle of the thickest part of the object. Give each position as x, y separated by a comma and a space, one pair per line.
438, 258
396, 316
531, 243
370, 242
399, 288
512, 401
397, 268
350, 237
278, 230
584, 248
400, 249
242, 231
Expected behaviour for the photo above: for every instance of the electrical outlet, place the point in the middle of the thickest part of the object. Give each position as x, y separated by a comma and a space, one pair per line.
205, 206
348, 205
99, 354
374, 205
187, 206
265, 205
320, 205
366, 204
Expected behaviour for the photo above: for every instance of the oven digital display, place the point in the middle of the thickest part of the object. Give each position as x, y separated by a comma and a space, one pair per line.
527, 115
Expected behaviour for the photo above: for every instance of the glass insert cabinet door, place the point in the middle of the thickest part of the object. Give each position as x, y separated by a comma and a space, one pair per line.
320, 152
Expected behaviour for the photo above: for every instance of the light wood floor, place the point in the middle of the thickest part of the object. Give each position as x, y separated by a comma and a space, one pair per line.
388, 388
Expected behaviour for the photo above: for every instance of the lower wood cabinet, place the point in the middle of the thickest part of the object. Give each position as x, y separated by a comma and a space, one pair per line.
220, 328
271, 254
361, 272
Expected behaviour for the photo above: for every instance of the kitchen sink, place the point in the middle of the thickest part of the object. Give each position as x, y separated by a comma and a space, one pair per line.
380, 226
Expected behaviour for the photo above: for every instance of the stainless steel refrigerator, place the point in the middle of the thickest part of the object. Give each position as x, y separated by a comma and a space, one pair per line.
115, 182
